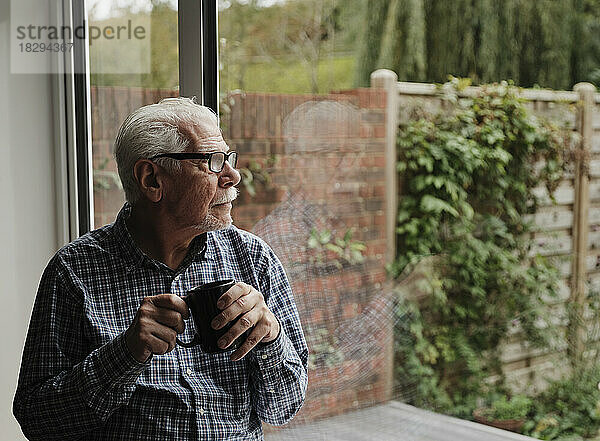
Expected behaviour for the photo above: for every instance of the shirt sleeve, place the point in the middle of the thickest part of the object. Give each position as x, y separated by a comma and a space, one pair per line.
278, 369
64, 392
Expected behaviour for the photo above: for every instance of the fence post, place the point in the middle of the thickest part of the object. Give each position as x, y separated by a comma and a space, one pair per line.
388, 80
580, 223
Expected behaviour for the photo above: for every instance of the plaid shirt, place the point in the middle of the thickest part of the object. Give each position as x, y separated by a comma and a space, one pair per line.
79, 381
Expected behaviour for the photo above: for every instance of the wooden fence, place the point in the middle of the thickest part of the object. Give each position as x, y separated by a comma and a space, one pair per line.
567, 230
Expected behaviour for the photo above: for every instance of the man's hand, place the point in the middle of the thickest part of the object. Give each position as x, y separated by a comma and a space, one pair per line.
245, 302
155, 326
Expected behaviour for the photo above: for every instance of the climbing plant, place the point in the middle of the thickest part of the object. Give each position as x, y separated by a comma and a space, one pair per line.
468, 176
256, 173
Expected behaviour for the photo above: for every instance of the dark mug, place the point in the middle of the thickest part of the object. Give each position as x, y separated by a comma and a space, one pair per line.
202, 302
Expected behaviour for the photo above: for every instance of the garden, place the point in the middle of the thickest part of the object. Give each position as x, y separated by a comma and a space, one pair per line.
468, 177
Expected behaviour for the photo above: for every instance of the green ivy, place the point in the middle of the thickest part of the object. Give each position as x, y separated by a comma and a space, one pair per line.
570, 407
324, 350
255, 173
346, 251
467, 178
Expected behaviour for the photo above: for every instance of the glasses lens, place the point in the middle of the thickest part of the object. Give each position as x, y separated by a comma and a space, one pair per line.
232, 159
217, 160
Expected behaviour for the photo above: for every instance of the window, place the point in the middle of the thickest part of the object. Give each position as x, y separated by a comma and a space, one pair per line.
135, 51
314, 184
135, 68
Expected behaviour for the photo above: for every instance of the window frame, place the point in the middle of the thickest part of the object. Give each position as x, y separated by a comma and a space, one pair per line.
198, 76
198, 51
70, 96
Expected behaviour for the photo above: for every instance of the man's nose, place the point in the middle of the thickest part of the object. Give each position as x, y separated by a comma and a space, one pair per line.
229, 176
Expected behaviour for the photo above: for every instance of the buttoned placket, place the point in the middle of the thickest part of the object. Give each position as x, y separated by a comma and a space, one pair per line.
178, 288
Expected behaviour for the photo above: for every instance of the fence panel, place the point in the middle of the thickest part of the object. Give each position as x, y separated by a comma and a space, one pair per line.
556, 222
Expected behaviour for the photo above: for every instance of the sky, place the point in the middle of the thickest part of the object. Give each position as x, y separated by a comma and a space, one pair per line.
102, 9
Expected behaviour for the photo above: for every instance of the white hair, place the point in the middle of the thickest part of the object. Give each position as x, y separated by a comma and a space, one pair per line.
153, 130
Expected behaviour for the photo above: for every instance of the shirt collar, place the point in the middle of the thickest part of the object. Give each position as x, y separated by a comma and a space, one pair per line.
128, 250
201, 247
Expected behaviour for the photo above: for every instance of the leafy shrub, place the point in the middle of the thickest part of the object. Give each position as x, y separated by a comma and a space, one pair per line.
569, 408
255, 173
337, 251
324, 350
517, 408
467, 181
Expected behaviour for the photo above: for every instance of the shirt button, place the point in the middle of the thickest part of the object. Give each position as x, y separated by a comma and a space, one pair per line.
264, 356
188, 371
201, 411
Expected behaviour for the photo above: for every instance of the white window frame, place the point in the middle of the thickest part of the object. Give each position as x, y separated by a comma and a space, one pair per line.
73, 177
198, 76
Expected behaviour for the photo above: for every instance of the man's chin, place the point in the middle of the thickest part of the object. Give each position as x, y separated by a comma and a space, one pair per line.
212, 223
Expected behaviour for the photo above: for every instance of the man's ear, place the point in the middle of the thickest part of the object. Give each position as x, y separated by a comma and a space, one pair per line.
148, 176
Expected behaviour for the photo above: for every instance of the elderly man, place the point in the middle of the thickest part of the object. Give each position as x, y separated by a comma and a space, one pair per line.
101, 361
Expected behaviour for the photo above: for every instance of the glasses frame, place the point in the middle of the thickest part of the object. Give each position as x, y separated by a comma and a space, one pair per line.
198, 155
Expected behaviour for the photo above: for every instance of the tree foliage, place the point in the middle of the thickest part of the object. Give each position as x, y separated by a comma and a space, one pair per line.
164, 55
550, 43
532, 42
295, 31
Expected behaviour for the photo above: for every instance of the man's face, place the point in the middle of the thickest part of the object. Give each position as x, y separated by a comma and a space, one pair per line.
197, 197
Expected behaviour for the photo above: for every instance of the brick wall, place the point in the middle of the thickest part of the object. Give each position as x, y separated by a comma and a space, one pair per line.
307, 193
341, 188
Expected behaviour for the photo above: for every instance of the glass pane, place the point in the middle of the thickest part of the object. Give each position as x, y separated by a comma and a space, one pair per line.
478, 292
133, 62
317, 159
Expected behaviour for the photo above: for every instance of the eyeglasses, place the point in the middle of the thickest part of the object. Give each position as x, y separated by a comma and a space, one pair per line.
216, 160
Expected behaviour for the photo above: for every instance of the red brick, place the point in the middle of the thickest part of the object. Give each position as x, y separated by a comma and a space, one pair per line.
366, 161
377, 277
273, 116
363, 98
331, 401
337, 297
277, 146
135, 96
378, 191
365, 191
379, 219
262, 114
379, 161
378, 98
364, 221
317, 316
365, 131
375, 249
379, 131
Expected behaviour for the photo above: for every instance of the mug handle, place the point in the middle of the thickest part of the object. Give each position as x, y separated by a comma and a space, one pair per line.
195, 342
